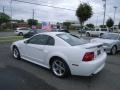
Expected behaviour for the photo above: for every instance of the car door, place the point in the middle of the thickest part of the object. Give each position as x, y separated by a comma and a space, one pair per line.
96, 33
35, 48
93, 32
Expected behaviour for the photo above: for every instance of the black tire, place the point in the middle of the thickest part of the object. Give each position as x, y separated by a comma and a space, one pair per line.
101, 34
113, 50
20, 34
88, 34
66, 71
16, 53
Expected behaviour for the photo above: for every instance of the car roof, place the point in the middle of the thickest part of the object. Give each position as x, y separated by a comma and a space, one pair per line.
51, 33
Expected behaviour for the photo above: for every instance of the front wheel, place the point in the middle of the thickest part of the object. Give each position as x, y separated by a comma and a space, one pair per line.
16, 53
60, 68
20, 34
114, 50
87, 34
101, 34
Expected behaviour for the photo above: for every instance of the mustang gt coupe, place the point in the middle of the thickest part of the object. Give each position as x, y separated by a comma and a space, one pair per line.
62, 53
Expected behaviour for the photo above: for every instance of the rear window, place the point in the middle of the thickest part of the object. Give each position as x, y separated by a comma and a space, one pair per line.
71, 39
103, 29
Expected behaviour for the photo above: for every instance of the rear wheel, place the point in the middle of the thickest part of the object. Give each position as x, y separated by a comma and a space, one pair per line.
114, 50
16, 53
20, 34
87, 34
101, 34
60, 68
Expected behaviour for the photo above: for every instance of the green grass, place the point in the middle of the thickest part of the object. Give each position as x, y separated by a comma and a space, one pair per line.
10, 38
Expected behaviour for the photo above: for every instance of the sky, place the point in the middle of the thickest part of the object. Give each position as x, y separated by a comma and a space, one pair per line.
42, 13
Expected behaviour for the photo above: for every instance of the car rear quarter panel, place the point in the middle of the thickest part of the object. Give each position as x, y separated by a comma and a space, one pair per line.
71, 55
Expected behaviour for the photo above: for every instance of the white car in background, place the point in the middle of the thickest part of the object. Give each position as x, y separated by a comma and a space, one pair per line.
111, 42
62, 53
21, 31
97, 32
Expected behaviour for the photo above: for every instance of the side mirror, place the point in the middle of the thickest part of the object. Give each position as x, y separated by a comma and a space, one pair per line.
26, 41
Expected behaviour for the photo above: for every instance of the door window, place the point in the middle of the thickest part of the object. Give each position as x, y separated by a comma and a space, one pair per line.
119, 37
39, 39
42, 40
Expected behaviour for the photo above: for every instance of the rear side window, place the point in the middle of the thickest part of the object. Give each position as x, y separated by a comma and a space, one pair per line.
24, 29
103, 29
97, 29
50, 41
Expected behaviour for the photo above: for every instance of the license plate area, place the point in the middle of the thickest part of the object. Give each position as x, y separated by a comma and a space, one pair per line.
98, 52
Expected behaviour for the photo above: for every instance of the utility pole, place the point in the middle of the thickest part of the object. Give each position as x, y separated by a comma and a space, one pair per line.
3, 9
11, 14
115, 12
104, 12
33, 14
97, 21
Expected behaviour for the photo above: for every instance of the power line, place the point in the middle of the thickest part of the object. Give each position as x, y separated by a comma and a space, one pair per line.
41, 4
47, 5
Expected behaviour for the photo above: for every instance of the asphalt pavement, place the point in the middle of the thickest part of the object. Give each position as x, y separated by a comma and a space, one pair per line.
5, 34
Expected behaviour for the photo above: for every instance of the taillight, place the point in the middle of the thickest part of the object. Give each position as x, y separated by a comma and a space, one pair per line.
89, 56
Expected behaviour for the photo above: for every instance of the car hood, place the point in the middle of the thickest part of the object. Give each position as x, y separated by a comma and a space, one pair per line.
100, 40
20, 41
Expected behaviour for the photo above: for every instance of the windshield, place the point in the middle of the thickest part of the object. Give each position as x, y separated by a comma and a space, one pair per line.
110, 36
71, 39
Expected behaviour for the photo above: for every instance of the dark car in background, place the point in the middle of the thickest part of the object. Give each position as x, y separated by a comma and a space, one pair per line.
82, 31
33, 32
60, 30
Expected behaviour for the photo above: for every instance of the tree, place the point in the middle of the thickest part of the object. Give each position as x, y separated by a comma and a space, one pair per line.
84, 12
109, 23
67, 25
32, 22
4, 18
119, 25
90, 25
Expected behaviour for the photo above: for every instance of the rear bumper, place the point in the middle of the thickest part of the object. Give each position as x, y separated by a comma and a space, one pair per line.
89, 68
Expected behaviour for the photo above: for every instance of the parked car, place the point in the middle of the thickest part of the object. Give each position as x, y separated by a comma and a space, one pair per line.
82, 31
21, 31
60, 30
96, 32
111, 42
62, 53
33, 32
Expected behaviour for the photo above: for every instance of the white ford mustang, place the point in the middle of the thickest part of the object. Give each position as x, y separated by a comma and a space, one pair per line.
63, 53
